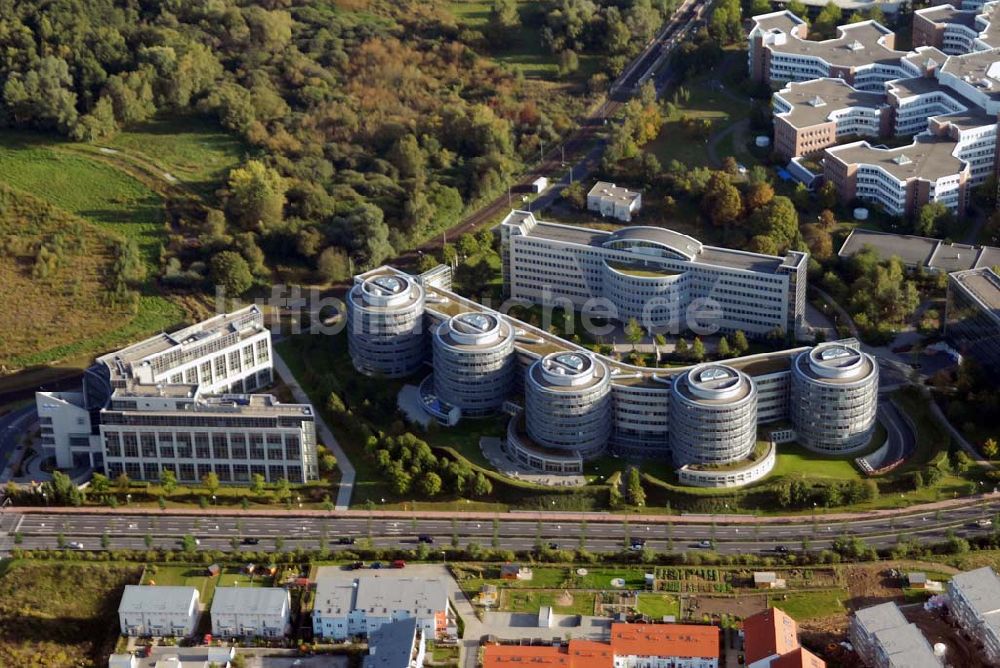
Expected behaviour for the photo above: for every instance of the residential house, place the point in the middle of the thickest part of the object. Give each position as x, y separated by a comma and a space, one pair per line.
346, 608
608, 199
147, 610
974, 598
397, 644
251, 612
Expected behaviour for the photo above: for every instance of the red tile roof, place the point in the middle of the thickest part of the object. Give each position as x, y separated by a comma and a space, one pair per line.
799, 658
680, 640
769, 633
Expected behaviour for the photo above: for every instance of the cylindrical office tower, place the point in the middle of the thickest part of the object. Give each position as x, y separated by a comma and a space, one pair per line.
834, 398
713, 415
568, 403
385, 326
474, 362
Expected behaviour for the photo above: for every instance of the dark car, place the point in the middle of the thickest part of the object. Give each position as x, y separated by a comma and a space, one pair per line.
637, 544
251, 541
553, 546
425, 538
355, 565
781, 549
345, 540
376, 565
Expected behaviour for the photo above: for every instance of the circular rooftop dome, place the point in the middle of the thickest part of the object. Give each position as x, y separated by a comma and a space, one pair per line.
836, 361
567, 368
473, 328
715, 382
385, 290
674, 243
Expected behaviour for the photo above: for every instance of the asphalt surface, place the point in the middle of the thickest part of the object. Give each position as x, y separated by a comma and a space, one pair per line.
42, 530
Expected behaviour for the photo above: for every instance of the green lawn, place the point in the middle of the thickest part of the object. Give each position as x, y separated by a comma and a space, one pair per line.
532, 601
86, 187
794, 461
186, 575
658, 606
810, 605
196, 151
522, 49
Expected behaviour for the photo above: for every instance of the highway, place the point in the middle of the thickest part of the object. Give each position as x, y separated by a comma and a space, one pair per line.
41, 530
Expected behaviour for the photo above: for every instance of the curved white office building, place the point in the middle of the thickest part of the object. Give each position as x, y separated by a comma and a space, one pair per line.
385, 325
568, 403
834, 398
474, 362
713, 416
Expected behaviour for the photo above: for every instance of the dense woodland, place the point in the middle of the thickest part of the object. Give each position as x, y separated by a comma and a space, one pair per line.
370, 123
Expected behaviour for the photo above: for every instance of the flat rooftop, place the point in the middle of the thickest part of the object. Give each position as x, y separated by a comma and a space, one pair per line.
927, 158
244, 405
813, 102
921, 251
676, 242
154, 598
976, 68
611, 191
857, 45
981, 588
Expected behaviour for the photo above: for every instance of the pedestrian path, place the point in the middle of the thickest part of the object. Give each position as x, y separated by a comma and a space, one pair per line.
325, 436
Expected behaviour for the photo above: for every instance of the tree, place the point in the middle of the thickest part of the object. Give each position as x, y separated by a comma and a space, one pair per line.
484, 238
636, 494
99, 483
327, 463
697, 350
682, 350
721, 201
284, 489
62, 491
211, 482
122, 482
168, 481
740, 344
231, 272
257, 483
575, 195
333, 264
449, 254
797, 7
932, 219
430, 484
42, 96
828, 19
503, 17
633, 332
467, 245
990, 448
724, 350
257, 196
569, 62
481, 486
758, 194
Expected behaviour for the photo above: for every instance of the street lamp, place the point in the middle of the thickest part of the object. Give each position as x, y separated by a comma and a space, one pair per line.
213, 499
128, 499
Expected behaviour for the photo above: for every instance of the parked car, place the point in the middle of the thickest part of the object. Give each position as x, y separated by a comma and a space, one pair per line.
399, 563
376, 565
355, 565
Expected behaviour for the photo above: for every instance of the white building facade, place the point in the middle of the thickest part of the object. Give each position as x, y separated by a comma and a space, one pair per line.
148, 610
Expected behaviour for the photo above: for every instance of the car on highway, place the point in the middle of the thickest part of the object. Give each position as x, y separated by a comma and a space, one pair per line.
781, 549
705, 543
637, 544
553, 546
345, 540
425, 538
984, 523
251, 541
74, 545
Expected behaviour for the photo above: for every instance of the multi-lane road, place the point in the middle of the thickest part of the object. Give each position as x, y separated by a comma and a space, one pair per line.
513, 531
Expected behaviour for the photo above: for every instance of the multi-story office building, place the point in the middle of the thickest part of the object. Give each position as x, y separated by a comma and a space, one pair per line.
813, 115
474, 362
946, 92
862, 54
974, 602
384, 326
972, 316
183, 401
713, 415
570, 404
664, 279
834, 395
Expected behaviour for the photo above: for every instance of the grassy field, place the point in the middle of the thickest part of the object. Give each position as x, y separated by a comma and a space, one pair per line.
183, 575
63, 314
195, 151
530, 601
811, 605
659, 605
794, 461
60, 615
83, 186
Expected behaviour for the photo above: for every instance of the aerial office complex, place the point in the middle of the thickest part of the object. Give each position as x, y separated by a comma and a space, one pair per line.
184, 402
662, 278
857, 89
569, 404
972, 315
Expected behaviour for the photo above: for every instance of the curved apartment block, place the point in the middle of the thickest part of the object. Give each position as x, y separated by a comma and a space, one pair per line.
474, 362
567, 398
385, 319
713, 416
834, 398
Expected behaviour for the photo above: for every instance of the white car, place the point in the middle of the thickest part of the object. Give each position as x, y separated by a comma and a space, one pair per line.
705, 543
984, 523
76, 545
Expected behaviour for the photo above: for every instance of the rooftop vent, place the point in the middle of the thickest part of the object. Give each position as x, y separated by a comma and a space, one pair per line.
855, 46
817, 102
901, 159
